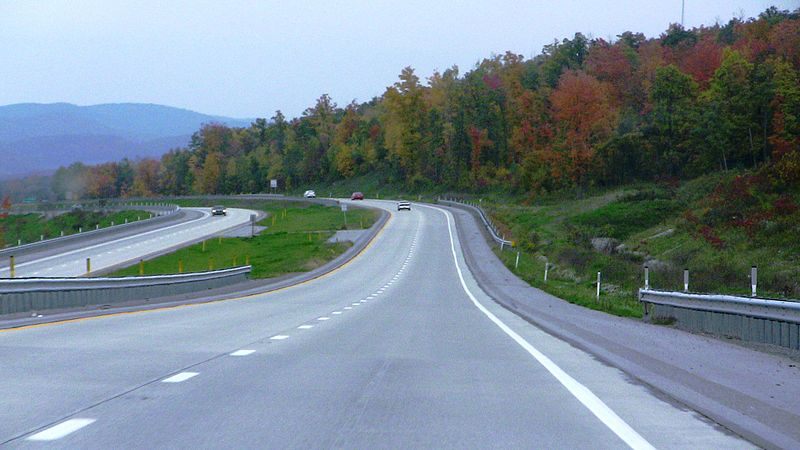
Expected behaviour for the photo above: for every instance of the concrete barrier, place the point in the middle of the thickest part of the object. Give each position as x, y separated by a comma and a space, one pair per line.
766, 321
23, 295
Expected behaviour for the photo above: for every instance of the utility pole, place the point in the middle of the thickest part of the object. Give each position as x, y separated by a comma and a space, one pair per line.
683, 4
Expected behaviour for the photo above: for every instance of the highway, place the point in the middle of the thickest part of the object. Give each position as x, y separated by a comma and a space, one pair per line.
111, 251
398, 348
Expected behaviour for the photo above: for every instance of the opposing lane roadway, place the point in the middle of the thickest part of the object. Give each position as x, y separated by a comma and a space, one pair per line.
129, 246
398, 348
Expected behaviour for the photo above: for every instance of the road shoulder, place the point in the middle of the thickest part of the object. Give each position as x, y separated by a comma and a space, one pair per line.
750, 392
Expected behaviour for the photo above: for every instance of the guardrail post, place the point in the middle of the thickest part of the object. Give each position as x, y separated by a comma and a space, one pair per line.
13, 267
753, 280
88, 266
646, 277
598, 286
685, 280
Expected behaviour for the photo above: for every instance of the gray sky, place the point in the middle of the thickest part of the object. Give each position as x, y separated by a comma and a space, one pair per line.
249, 58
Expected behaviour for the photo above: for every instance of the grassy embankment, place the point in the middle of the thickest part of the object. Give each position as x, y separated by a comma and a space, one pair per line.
295, 241
31, 227
667, 228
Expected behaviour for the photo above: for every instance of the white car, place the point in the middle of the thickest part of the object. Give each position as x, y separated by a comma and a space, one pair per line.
404, 205
310, 194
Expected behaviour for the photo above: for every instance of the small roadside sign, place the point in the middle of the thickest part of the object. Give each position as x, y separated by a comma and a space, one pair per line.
273, 183
344, 207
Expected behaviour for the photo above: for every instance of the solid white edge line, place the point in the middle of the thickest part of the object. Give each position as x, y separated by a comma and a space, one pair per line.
60, 430
179, 377
606, 415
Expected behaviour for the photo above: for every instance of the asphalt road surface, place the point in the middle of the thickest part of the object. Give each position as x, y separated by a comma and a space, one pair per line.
107, 252
397, 349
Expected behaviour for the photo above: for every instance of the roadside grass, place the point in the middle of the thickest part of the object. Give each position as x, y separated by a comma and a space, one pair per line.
294, 241
31, 227
647, 225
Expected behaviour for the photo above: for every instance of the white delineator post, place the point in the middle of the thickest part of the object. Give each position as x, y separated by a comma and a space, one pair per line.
753, 280
646, 277
598, 286
685, 280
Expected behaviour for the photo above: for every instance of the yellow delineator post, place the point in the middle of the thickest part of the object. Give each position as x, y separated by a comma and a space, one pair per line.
210, 263
204, 246
273, 220
234, 261
88, 266
180, 266
247, 260
141, 267
13, 267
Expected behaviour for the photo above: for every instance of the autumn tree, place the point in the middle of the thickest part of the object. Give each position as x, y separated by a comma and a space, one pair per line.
585, 118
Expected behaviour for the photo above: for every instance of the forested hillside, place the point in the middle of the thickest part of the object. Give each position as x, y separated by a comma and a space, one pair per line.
584, 113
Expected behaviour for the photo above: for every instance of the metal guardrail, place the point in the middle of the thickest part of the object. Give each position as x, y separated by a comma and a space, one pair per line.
168, 211
487, 222
22, 295
766, 321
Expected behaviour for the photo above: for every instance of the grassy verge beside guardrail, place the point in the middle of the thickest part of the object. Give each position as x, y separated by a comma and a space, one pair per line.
295, 241
27, 228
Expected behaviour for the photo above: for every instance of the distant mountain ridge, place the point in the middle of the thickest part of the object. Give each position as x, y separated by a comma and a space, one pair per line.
37, 137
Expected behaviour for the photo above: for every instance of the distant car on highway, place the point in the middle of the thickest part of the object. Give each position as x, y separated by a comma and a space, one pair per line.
401, 205
357, 196
219, 211
310, 194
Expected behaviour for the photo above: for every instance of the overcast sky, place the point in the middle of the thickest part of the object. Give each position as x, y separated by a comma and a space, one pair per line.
250, 58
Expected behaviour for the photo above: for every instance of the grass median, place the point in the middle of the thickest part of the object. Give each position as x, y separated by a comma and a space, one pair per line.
295, 240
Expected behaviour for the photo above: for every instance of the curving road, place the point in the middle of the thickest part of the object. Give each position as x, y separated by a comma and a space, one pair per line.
129, 246
398, 348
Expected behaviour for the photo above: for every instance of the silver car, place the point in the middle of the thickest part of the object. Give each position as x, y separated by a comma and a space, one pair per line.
401, 205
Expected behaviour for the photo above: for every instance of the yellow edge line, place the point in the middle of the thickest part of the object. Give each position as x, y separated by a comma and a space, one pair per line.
163, 308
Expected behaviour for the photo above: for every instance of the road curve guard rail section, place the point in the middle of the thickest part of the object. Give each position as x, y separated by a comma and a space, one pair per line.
750, 319
26, 295
490, 226
163, 213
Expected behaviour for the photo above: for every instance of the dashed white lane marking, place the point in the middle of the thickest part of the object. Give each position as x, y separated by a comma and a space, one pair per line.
348, 307
279, 337
592, 402
243, 352
355, 304
370, 297
177, 378
323, 318
60, 430
305, 327
336, 313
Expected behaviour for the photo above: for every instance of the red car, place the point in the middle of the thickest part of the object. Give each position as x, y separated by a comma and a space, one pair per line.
357, 196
